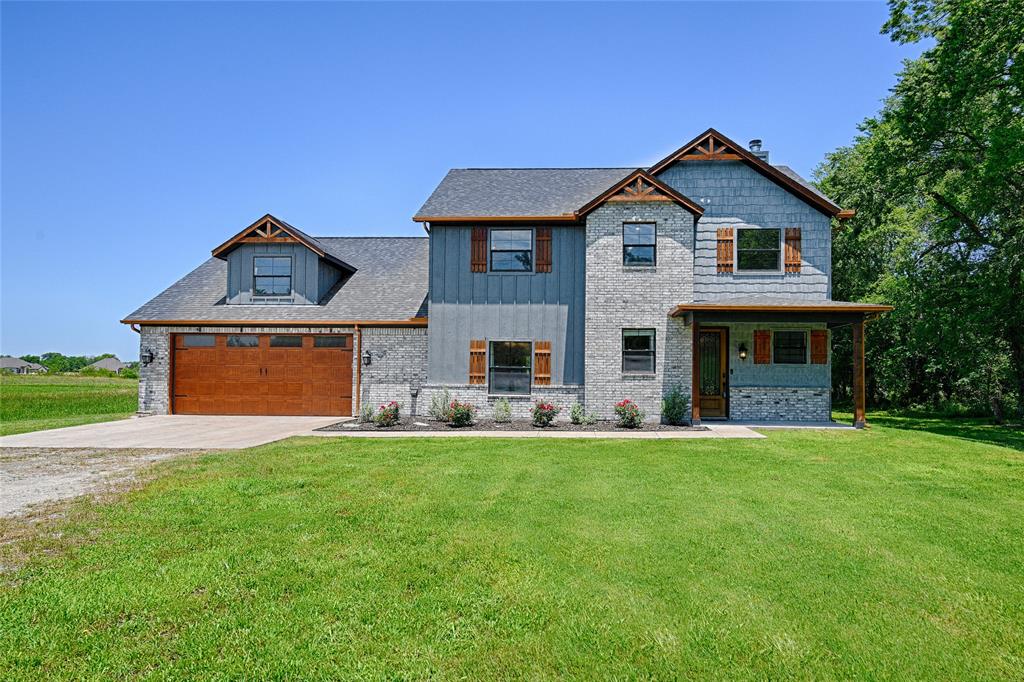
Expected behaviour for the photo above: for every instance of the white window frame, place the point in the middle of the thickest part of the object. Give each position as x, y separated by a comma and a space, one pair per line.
754, 273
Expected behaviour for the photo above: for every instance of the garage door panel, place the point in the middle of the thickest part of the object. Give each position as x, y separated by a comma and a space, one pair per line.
245, 379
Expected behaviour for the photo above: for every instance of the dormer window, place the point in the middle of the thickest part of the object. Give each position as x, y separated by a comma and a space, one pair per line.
272, 275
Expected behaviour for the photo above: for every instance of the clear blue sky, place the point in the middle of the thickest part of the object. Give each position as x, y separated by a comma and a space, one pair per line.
138, 136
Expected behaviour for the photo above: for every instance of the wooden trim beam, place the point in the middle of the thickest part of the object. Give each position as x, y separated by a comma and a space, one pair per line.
565, 218
859, 416
719, 307
695, 376
413, 322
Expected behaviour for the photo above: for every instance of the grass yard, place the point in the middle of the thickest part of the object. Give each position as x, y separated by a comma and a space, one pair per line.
890, 554
36, 402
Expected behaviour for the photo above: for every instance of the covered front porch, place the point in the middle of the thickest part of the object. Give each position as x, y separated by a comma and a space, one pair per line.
768, 360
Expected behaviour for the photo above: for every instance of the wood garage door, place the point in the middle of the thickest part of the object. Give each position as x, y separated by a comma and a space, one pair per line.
262, 374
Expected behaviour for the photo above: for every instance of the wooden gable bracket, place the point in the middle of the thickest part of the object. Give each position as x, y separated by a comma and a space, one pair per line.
710, 149
639, 190
268, 231
641, 186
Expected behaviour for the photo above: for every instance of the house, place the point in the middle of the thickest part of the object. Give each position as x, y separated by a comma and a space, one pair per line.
19, 366
109, 364
709, 271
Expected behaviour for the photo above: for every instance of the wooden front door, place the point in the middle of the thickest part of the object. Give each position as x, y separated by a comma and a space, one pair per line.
714, 369
262, 374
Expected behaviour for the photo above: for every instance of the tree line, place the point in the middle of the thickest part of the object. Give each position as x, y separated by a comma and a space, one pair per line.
937, 180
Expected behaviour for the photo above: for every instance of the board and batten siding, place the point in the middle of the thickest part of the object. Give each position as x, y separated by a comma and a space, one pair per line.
504, 306
735, 195
310, 278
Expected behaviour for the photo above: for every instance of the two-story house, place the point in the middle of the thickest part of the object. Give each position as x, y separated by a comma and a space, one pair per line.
709, 272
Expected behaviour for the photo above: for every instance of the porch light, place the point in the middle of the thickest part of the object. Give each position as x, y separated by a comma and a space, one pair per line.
367, 358
743, 351
147, 356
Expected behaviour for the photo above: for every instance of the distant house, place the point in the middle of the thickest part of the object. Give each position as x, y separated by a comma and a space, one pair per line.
19, 366
110, 364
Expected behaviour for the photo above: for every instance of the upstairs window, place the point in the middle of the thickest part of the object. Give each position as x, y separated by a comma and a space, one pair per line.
272, 276
510, 367
789, 347
758, 250
512, 250
638, 351
639, 243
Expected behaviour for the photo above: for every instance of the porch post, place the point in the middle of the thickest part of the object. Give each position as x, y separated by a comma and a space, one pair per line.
695, 375
858, 374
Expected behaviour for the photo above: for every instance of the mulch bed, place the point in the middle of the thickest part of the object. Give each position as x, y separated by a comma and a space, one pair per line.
424, 424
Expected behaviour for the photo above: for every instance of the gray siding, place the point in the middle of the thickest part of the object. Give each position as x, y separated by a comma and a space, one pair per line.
735, 195
531, 307
306, 278
745, 374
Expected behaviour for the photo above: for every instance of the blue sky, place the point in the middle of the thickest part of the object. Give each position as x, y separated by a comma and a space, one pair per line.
138, 136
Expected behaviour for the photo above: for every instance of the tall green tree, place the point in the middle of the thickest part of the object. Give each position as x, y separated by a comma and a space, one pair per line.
937, 178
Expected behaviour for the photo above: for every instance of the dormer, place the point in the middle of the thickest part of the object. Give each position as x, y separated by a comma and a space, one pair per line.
273, 263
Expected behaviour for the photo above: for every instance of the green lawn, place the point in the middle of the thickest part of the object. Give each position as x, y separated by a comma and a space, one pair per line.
889, 554
37, 402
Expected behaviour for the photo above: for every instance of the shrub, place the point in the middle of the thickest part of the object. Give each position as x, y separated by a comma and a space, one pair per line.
578, 415
629, 414
440, 406
366, 413
461, 414
675, 407
544, 413
387, 415
503, 411
129, 373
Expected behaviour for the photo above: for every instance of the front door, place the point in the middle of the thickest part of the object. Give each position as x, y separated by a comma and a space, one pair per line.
713, 372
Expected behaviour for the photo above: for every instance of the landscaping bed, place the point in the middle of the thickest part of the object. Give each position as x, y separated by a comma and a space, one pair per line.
424, 424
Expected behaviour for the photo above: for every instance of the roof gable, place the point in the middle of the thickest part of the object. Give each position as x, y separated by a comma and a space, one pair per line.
271, 230
641, 186
712, 145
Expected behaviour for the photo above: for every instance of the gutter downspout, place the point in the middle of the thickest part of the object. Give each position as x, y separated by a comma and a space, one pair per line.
135, 328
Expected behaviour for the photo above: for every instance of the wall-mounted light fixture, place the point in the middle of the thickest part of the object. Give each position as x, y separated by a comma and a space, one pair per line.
743, 351
147, 356
367, 358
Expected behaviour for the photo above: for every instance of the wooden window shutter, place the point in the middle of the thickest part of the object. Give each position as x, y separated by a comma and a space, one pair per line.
543, 249
725, 250
541, 363
478, 361
819, 347
793, 257
478, 252
762, 347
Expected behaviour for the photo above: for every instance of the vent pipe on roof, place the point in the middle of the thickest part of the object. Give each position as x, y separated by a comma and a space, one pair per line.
755, 149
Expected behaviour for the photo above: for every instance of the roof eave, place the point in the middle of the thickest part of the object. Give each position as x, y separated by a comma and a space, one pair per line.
719, 307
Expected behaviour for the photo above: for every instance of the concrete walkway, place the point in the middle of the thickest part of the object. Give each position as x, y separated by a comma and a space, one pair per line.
176, 432
714, 431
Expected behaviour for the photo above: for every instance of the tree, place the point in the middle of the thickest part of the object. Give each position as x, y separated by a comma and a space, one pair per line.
937, 178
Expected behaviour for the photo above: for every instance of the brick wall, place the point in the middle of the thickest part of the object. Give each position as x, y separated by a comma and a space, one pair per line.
780, 404
563, 396
398, 368
619, 297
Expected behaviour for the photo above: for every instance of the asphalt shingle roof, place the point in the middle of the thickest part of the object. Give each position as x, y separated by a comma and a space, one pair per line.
518, 192
390, 283
113, 364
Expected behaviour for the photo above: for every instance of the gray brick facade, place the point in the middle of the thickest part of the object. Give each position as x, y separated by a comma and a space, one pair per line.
622, 297
562, 396
397, 369
780, 404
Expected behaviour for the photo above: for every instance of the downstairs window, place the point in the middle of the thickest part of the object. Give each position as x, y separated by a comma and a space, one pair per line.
510, 367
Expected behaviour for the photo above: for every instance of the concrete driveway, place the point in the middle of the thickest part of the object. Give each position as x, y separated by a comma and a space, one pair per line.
172, 431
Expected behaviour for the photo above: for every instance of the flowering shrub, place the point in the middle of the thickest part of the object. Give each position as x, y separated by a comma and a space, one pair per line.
503, 411
544, 413
387, 415
461, 414
630, 416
